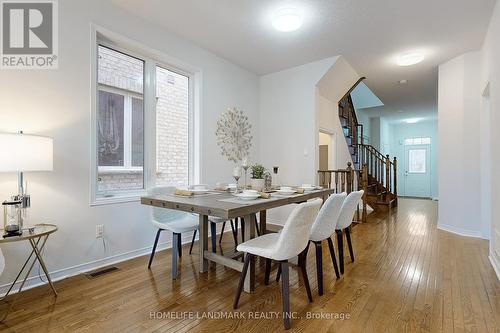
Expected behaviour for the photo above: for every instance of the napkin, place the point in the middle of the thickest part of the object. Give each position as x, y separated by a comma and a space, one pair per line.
184, 193
264, 195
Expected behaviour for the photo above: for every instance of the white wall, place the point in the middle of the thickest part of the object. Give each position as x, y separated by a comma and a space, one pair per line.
294, 105
459, 158
375, 132
330, 89
490, 75
385, 137
396, 133
56, 103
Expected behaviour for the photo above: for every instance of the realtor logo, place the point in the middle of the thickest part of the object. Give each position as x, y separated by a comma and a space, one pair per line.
29, 34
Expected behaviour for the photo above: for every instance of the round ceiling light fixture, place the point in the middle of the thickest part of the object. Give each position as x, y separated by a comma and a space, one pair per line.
410, 58
287, 19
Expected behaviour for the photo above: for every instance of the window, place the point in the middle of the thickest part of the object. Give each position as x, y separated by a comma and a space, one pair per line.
417, 141
120, 122
416, 161
121, 114
128, 111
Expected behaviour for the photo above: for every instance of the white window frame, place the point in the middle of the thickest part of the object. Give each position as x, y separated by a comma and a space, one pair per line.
151, 58
416, 141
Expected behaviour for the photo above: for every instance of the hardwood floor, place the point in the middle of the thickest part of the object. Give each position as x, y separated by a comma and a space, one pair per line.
408, 277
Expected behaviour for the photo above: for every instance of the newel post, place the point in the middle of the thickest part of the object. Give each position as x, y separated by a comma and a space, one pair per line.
350, 178
395, 178
387, 172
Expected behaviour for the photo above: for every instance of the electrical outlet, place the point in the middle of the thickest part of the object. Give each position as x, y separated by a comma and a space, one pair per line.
99, 231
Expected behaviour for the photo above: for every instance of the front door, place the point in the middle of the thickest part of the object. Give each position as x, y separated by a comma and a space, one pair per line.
417, 171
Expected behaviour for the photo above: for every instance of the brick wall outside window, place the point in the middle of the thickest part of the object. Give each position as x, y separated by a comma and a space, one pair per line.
172, 129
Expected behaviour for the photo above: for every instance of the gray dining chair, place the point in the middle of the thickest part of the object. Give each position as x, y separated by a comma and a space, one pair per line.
344, 225
283, 246
322, 229
174, 221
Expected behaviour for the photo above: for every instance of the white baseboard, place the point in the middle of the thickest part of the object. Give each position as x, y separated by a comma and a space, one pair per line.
459, 231
57, 275
496, 264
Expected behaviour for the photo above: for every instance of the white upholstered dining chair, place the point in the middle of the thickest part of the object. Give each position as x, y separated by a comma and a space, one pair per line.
174, 221
290, 242
344, 225
322, 229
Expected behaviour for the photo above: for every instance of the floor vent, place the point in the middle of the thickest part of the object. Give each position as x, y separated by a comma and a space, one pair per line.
101, 271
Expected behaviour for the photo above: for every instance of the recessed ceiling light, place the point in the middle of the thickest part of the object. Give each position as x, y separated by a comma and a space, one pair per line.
403, 82
410, 58
287, 19
412, 121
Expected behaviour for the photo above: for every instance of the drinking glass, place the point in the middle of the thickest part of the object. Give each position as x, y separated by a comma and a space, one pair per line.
236, 176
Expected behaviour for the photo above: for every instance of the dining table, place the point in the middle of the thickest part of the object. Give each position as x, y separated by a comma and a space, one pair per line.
227, 206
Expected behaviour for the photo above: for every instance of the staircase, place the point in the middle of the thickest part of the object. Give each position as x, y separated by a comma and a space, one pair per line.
372, 171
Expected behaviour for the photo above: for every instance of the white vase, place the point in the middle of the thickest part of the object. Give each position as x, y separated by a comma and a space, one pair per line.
257, 184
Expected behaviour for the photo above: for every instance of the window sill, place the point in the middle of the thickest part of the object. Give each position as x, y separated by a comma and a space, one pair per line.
118, 199
106, 170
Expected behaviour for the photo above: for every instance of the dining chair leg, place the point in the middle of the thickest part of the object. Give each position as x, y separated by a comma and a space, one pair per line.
179, 245
278, 274
154, 248
257, 226
235, 233
248, 257
213, 236
222, 231
285, 294
192, 241
319, 266
268, 271
340, 246
175, 249
349, 243
303, 269
334, 259
242, 222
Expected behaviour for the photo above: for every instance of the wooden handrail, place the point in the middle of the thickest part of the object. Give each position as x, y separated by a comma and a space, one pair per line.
353, 87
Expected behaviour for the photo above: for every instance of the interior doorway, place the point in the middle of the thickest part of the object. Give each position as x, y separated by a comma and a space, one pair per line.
326, 151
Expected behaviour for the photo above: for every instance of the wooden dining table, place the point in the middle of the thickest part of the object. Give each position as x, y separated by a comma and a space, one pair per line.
227, 206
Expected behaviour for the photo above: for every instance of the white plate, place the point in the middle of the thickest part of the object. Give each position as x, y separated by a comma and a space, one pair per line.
200, 191
308, 189
286, 192
247, 197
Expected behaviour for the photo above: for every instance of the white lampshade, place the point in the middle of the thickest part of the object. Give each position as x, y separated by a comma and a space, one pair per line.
22, 152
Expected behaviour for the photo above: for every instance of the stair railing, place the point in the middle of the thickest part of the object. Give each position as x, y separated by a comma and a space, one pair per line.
380, 167
347, 180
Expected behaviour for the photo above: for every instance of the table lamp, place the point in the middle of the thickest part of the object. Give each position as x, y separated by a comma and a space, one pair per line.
23, 153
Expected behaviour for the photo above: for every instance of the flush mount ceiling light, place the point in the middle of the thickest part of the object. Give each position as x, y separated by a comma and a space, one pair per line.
287, 19
410, 58
412, 121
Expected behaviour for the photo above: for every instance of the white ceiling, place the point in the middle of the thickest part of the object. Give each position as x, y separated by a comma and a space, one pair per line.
367, 33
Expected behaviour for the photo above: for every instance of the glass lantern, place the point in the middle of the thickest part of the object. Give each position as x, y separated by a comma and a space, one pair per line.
12, 217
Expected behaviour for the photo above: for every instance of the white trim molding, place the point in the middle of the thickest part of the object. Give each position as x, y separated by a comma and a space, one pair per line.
459, 231
496, 264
